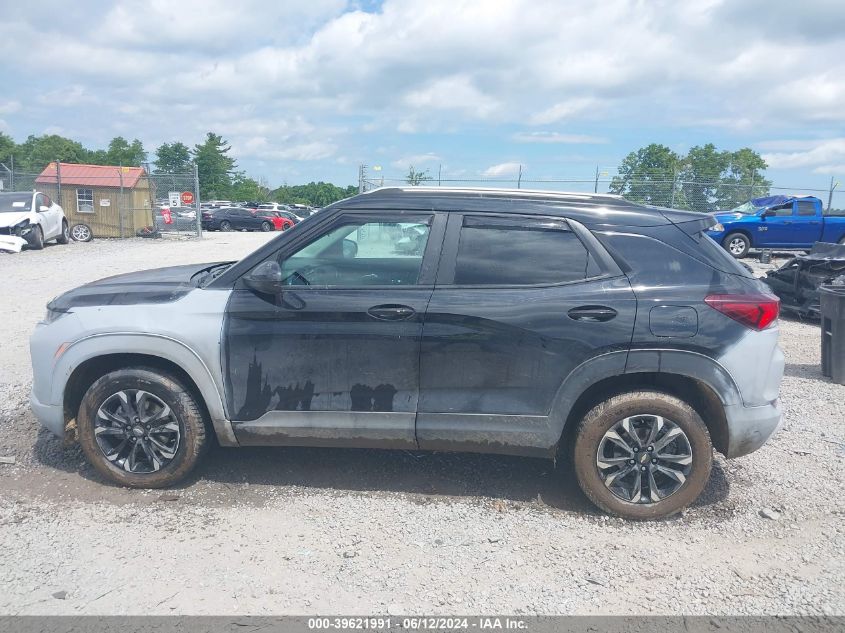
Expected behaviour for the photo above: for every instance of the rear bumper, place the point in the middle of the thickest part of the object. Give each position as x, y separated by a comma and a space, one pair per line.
750, 427
52, 416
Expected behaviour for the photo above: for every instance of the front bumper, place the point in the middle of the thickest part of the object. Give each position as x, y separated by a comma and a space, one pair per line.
750, 427
51, 416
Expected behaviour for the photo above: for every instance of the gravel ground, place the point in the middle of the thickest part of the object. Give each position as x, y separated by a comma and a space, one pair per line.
302, 531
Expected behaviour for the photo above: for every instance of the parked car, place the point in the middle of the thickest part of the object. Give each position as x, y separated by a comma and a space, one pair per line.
235, 219
529, 323
30, 219
782, 222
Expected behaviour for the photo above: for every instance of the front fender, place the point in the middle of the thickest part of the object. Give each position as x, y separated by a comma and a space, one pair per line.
150, 344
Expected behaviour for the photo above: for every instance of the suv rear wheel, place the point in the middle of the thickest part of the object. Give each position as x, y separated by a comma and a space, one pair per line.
642, 455
141, 428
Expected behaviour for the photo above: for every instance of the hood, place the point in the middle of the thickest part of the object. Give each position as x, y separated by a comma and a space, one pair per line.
729, 215
159, 285
11, 218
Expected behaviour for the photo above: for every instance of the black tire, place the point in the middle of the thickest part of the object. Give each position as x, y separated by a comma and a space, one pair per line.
225, 225
599, 420
64, 236
737, 245
81, 232
37, 241
266, 226
194, 437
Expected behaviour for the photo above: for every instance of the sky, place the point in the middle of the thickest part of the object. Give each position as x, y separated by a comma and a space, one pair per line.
309, 90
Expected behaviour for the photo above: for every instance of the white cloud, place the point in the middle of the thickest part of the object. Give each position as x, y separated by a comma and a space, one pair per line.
501, 170
10, 107
564, 110
557, 137
416, 160
822, 155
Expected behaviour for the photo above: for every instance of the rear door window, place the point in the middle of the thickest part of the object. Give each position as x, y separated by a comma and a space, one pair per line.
806, 207
518, 252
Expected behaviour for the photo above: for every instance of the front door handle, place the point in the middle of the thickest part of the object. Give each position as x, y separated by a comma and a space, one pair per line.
592, 313
391, 312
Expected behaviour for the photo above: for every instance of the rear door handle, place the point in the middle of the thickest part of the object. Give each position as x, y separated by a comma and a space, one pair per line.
592, 313
391, 312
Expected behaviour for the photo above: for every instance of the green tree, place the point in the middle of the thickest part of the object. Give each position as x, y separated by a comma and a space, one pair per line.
700, 176
7, 149
315, 194
647, 175
215, 167
743, 179
248, 189
173, 158
122, 152
36, 152
415, 178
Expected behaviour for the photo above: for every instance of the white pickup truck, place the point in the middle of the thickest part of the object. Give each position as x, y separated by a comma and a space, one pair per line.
30, 219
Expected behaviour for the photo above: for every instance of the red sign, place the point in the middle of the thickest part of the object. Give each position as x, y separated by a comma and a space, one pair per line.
187, 197
165, 213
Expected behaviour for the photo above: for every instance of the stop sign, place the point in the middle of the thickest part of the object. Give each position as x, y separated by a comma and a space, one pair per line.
187, 197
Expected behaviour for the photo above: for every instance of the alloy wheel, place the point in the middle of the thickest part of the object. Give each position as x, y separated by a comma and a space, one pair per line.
80, 233
137, 431
644, 458
736, 246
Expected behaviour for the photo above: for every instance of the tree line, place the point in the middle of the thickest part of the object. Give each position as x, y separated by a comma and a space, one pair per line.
218, 173
703, 179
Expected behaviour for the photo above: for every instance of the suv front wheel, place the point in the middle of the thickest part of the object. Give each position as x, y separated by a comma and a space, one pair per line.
642, 455
141, 428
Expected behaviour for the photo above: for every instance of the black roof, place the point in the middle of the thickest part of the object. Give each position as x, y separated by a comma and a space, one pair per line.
588, 208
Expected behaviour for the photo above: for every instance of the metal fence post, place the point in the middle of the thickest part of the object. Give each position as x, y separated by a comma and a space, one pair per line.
197, 199
120, 203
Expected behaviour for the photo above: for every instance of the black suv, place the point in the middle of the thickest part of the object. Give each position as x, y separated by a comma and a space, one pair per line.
519, 322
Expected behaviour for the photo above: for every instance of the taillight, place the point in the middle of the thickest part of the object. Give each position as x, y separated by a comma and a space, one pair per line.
757, 311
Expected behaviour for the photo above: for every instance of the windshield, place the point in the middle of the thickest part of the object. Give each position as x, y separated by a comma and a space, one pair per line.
746, 209
15, 203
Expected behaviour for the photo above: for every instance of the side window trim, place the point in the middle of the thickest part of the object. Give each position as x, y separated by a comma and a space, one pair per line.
449, 253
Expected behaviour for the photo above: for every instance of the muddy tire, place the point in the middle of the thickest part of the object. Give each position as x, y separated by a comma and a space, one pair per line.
642, 455
142, 428
64, 236
737, 244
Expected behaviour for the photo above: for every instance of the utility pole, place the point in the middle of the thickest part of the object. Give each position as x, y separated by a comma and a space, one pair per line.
833, 185
674, 186
59, 181
596, 188
197, 199
12, 175
519, 179
439, 167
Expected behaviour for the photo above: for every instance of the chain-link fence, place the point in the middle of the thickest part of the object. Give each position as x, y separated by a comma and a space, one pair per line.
115, 201
663, 190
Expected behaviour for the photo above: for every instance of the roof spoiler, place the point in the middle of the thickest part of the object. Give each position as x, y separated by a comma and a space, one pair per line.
690, 222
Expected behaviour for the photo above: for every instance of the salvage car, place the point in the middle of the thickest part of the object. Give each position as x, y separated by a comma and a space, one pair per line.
616, 335
782, 222
30, 219
797, 281
237, 219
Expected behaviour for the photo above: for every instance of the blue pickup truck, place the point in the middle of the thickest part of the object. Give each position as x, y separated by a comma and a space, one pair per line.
781, 222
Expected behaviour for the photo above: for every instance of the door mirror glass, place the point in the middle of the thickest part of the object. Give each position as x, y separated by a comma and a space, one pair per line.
265, 278
43, 209
350, 249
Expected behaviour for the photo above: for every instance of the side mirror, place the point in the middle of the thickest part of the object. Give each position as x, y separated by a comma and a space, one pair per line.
43, 209
265, 278
767, 214
350, 249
